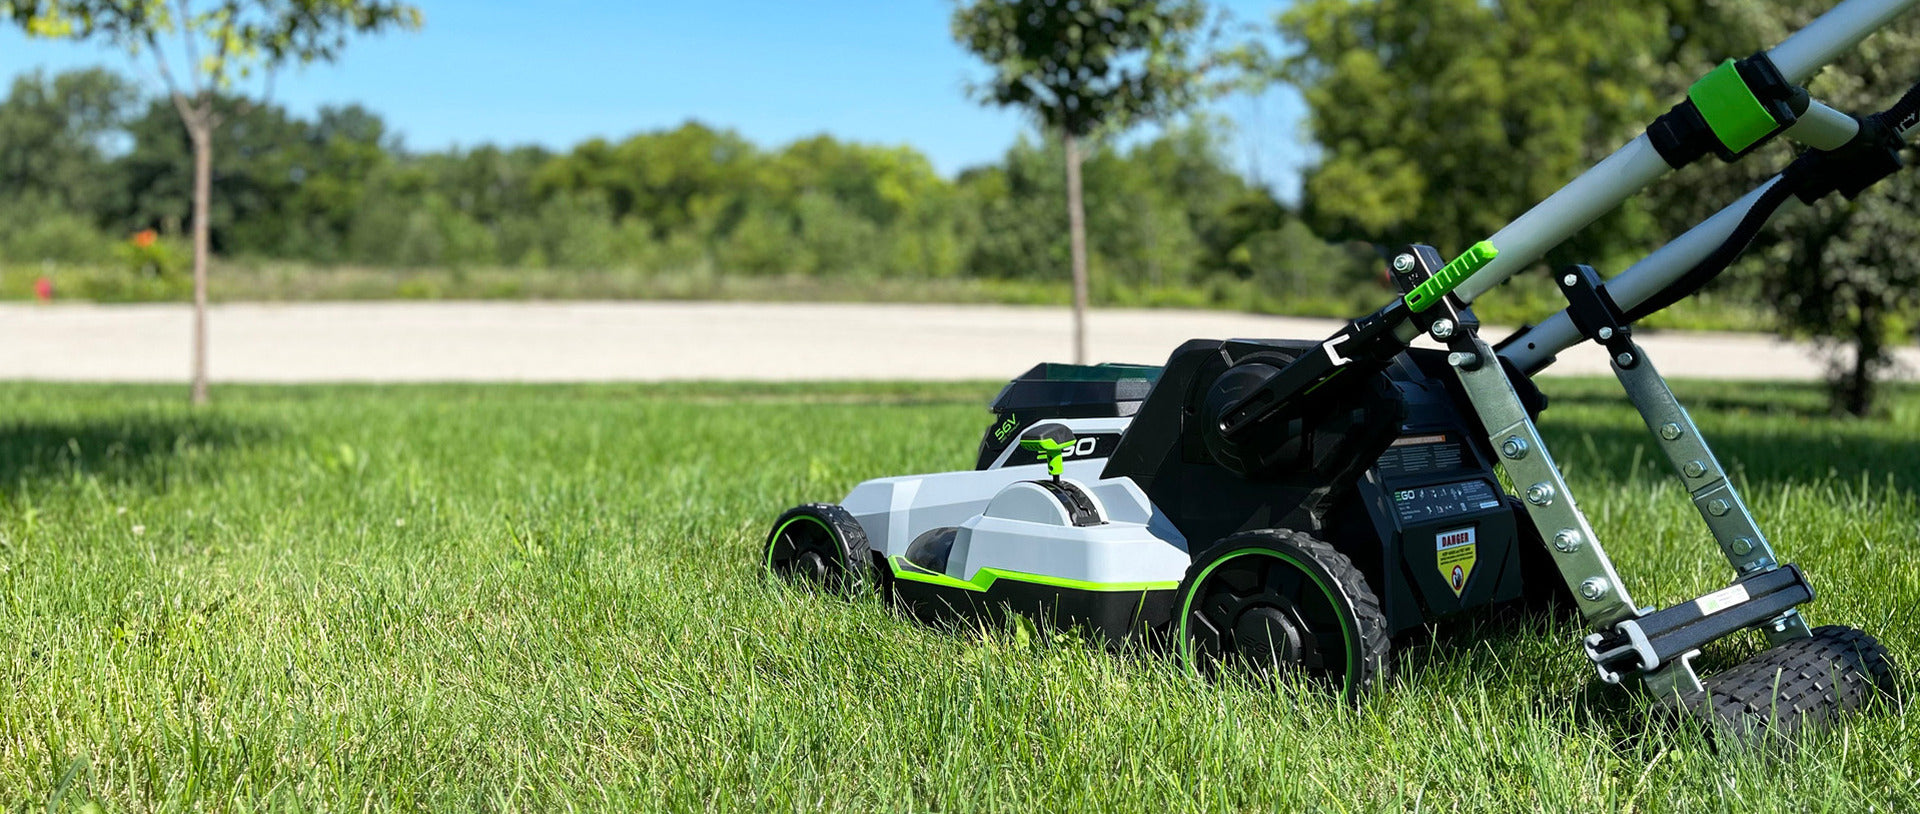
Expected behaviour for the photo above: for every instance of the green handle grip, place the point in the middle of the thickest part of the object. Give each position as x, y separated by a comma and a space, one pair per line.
1450, 276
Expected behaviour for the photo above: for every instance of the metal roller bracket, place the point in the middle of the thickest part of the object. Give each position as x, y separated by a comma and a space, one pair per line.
1726, 515
1577, 553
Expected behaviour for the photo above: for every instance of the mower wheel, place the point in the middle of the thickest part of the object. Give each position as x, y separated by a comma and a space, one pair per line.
1787, 689
1280, 603
821, 544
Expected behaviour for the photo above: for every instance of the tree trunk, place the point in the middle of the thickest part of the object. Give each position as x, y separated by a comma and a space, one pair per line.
200, 131
1854, 391
1077, 235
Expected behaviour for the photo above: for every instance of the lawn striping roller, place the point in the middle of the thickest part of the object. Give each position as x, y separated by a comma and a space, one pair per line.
1289, 506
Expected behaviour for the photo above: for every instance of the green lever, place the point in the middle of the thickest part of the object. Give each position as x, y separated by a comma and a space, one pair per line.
1450, 276
1050, 443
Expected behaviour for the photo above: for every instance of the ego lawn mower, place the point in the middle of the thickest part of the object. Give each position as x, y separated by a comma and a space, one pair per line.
1289, 506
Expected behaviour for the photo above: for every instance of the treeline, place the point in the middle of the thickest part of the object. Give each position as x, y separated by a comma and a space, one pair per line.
87, 161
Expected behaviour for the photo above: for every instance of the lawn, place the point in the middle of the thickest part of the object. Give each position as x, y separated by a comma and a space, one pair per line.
527, 597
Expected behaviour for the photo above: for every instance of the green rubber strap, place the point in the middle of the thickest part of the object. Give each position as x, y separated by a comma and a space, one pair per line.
1451, 275
1733, 113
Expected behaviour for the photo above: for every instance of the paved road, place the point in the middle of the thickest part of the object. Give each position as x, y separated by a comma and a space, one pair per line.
653, 341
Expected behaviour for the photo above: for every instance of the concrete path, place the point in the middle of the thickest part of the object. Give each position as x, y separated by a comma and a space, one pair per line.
653, 341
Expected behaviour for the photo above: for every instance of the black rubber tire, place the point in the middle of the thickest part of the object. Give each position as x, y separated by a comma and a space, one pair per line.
821, 544
1803, 684
1296, 592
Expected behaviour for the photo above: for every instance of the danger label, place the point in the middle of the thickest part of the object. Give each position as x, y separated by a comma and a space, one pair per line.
1456, 554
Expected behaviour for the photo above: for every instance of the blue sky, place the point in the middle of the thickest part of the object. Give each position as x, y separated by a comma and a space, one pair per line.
558, 72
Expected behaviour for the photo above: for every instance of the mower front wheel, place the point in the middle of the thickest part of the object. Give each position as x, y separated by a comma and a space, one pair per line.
1282, 604
1803, 684
821, 544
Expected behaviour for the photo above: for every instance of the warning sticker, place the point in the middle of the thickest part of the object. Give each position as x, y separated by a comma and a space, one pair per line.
1456, 556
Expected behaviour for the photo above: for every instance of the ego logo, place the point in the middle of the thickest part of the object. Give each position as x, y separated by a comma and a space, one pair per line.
1084, 446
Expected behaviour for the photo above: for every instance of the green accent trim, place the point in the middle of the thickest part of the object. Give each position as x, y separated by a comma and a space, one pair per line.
986, 577
775, 537
1185, 611
1731, 111
1451, 275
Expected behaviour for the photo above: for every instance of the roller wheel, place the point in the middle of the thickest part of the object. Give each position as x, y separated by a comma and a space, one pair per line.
1281, 604
821, 544
1803, 684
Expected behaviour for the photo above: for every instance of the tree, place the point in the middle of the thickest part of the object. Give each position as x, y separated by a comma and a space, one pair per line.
233, 40
1847, 273
1079, 66
54, 134
1440, 120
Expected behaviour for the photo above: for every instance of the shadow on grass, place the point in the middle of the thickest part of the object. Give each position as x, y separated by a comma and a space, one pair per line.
144, 451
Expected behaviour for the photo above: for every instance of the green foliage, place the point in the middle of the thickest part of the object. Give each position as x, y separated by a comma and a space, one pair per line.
232, 39
1440, 120
1082, 65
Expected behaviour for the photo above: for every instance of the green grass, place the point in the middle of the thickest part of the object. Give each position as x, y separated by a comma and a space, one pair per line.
528, 597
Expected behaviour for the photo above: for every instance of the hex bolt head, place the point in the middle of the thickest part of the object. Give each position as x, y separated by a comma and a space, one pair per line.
1540, 494
1670, 431
1742, 545
1718, 507
1594, 587
1514, 447
1442, 329
1569, 280
1605, 334
1567, 541
1695, 469
1403, 263
1624, 359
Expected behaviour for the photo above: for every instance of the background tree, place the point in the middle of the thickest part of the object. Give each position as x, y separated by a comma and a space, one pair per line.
1440, 120
1079, 65
212, 46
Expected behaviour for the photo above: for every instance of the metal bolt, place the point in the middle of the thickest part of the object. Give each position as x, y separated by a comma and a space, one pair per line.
1606, 333
1514, 447
1718, 507
1403, 263
1567, 540
1670, 431
1742, 545
1540, 494
1442, 329
1594, 587
1569, 280
1464, 360
1625, 359
1780, 626
1695, 469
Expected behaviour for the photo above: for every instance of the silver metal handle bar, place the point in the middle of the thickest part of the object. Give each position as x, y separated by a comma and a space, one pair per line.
1635, 166
1534, 348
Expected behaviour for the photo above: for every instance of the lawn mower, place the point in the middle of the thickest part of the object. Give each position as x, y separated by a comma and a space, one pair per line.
1290, 506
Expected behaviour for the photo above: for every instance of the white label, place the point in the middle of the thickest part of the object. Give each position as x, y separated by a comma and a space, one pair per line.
1722, 599
1454, 537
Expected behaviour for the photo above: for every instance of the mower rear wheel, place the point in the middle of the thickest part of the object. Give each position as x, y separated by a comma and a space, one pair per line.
1282, 604
821, 544
1803, 684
